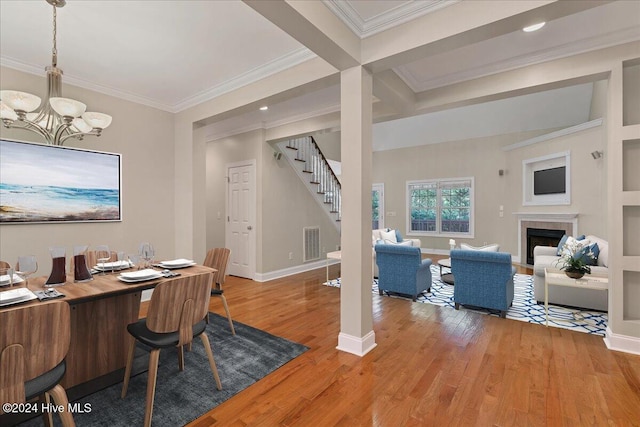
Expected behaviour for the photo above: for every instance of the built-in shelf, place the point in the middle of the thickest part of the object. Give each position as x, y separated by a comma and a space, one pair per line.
631, 263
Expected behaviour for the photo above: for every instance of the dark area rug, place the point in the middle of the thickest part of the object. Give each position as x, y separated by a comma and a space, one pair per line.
182, 397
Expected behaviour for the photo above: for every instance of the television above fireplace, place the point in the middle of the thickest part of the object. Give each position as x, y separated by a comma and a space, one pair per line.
546, 180
550, 181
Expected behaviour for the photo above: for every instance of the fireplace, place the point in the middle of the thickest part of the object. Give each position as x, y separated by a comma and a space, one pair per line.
541, 237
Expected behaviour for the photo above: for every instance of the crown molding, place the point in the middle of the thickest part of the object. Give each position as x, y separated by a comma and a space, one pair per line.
272, 67
397, 15
74, 81
615, 38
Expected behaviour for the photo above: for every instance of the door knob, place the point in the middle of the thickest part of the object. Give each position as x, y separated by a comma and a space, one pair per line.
249, 227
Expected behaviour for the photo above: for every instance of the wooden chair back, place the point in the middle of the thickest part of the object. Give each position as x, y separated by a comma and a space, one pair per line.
179, 303
92, 260
218, 258
4, 264
33, 340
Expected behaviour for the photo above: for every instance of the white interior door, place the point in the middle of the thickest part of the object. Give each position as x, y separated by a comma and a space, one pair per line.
241, 219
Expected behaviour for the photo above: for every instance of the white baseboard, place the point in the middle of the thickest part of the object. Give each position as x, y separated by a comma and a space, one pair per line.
356, 345
263, 277
622, 343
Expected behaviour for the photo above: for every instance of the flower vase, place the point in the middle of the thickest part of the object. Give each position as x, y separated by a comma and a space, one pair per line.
574, 274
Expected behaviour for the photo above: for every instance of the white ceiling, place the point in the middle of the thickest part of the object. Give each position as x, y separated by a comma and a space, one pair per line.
167, 54
175, 54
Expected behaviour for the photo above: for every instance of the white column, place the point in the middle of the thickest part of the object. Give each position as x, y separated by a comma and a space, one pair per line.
356, 326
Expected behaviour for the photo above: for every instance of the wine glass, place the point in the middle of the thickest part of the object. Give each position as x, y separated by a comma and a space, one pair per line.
147, 253
103, 255
26, 266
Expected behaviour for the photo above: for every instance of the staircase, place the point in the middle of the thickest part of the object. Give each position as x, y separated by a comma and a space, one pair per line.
304, 155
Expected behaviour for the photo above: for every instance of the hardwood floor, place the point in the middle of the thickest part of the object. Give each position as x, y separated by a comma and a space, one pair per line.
432, 366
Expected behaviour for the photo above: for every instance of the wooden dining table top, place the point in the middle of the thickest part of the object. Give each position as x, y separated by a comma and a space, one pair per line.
103, 285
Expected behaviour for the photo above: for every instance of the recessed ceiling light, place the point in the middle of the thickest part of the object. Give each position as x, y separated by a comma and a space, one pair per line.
534, 27
264, 108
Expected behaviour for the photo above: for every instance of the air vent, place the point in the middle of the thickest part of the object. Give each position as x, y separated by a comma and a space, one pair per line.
311, 243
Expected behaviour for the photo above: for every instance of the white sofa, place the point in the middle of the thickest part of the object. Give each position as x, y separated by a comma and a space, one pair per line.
378, 236
546, 256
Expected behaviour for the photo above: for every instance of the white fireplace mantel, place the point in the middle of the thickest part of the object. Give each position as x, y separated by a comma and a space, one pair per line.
547, 216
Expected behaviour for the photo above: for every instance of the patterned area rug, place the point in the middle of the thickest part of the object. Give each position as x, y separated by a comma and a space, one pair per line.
524, 308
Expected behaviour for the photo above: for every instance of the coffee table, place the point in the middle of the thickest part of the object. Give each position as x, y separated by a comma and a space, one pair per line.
446, 277
556, 277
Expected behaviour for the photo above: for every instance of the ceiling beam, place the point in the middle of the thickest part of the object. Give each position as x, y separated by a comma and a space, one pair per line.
458, 25
394, 92
315, 26
578, 69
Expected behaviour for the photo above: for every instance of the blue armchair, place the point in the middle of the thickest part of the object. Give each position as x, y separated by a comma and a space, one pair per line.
402, 270
482, 279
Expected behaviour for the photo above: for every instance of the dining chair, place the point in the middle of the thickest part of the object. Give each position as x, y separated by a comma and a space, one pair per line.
34, 341
176, 315
218, 258
4, 264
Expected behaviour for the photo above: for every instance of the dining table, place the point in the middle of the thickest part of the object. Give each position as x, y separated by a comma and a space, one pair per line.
101, 309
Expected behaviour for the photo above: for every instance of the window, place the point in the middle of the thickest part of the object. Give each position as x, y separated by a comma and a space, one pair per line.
377, 206
441, 207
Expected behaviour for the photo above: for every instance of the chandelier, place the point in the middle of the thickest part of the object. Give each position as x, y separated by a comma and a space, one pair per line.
58, 119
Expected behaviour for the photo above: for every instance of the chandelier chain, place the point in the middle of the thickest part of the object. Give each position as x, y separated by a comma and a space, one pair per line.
54, 51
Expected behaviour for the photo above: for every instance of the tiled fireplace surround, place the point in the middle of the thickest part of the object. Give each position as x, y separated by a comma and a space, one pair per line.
565, 222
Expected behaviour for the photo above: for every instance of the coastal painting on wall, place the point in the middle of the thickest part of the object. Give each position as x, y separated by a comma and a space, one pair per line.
45, 183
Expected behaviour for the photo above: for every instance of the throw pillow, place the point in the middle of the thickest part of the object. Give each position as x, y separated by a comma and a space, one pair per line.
564, 240
404, 243
389, 235
488, 248
584, 254
572, 242
561, 244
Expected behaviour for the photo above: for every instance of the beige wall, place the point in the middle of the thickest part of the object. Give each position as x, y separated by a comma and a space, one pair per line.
329, 143
144, 137
285, 206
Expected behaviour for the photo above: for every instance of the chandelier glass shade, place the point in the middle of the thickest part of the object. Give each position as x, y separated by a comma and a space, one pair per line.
57, 119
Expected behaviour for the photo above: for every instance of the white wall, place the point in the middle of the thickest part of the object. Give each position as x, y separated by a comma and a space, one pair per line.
144, 137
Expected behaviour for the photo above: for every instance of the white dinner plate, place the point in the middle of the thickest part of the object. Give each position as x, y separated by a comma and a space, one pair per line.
4, 279
173, 266
140, 275
115, 265
177, 263
140, 279
15, 296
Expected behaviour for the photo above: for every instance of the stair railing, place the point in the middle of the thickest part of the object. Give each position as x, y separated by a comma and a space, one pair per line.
316, 164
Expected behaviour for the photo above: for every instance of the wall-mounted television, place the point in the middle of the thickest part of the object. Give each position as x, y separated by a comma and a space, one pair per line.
46, 183
550, 181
